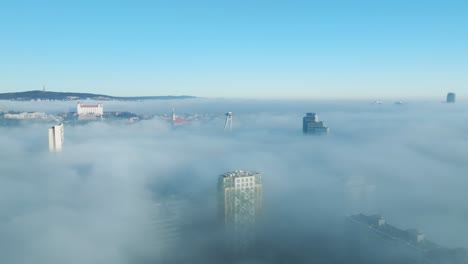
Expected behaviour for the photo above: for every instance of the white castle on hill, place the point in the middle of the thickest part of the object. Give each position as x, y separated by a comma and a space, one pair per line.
94, 110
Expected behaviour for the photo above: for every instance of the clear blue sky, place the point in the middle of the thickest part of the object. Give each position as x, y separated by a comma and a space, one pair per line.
241, 48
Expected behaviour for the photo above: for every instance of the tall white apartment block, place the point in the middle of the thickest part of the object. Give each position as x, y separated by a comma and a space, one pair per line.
56, 138
96, 110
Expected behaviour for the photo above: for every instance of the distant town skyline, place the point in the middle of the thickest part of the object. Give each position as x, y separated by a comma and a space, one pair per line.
241, 49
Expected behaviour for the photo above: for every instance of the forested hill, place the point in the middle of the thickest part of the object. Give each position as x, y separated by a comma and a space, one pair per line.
65, 96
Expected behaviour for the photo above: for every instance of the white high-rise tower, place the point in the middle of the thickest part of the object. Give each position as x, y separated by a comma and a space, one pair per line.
56, 138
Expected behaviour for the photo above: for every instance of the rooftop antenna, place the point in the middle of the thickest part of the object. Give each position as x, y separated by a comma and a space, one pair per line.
228, 124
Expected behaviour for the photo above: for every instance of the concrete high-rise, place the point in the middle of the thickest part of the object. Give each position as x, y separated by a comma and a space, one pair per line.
56, 138
311, 125
451, 97
240, 194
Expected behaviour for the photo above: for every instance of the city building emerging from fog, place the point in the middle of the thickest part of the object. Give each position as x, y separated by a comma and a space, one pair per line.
311, 125
361, 195
409, 244
240, 205
177, 120
167, 224
26, 115
451, 97
56, 138
89, 110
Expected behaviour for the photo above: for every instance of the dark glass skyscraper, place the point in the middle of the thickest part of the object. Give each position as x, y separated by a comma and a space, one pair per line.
451, 97
311, 125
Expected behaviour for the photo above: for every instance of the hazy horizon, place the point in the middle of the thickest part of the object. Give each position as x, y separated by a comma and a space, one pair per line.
395, 98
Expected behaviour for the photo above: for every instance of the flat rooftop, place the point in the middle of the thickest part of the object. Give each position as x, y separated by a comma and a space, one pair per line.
239, 173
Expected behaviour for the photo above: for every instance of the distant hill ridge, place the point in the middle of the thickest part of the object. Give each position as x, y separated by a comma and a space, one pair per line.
47, 95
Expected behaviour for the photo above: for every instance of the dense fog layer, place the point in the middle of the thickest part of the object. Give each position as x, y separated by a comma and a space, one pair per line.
95, 201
